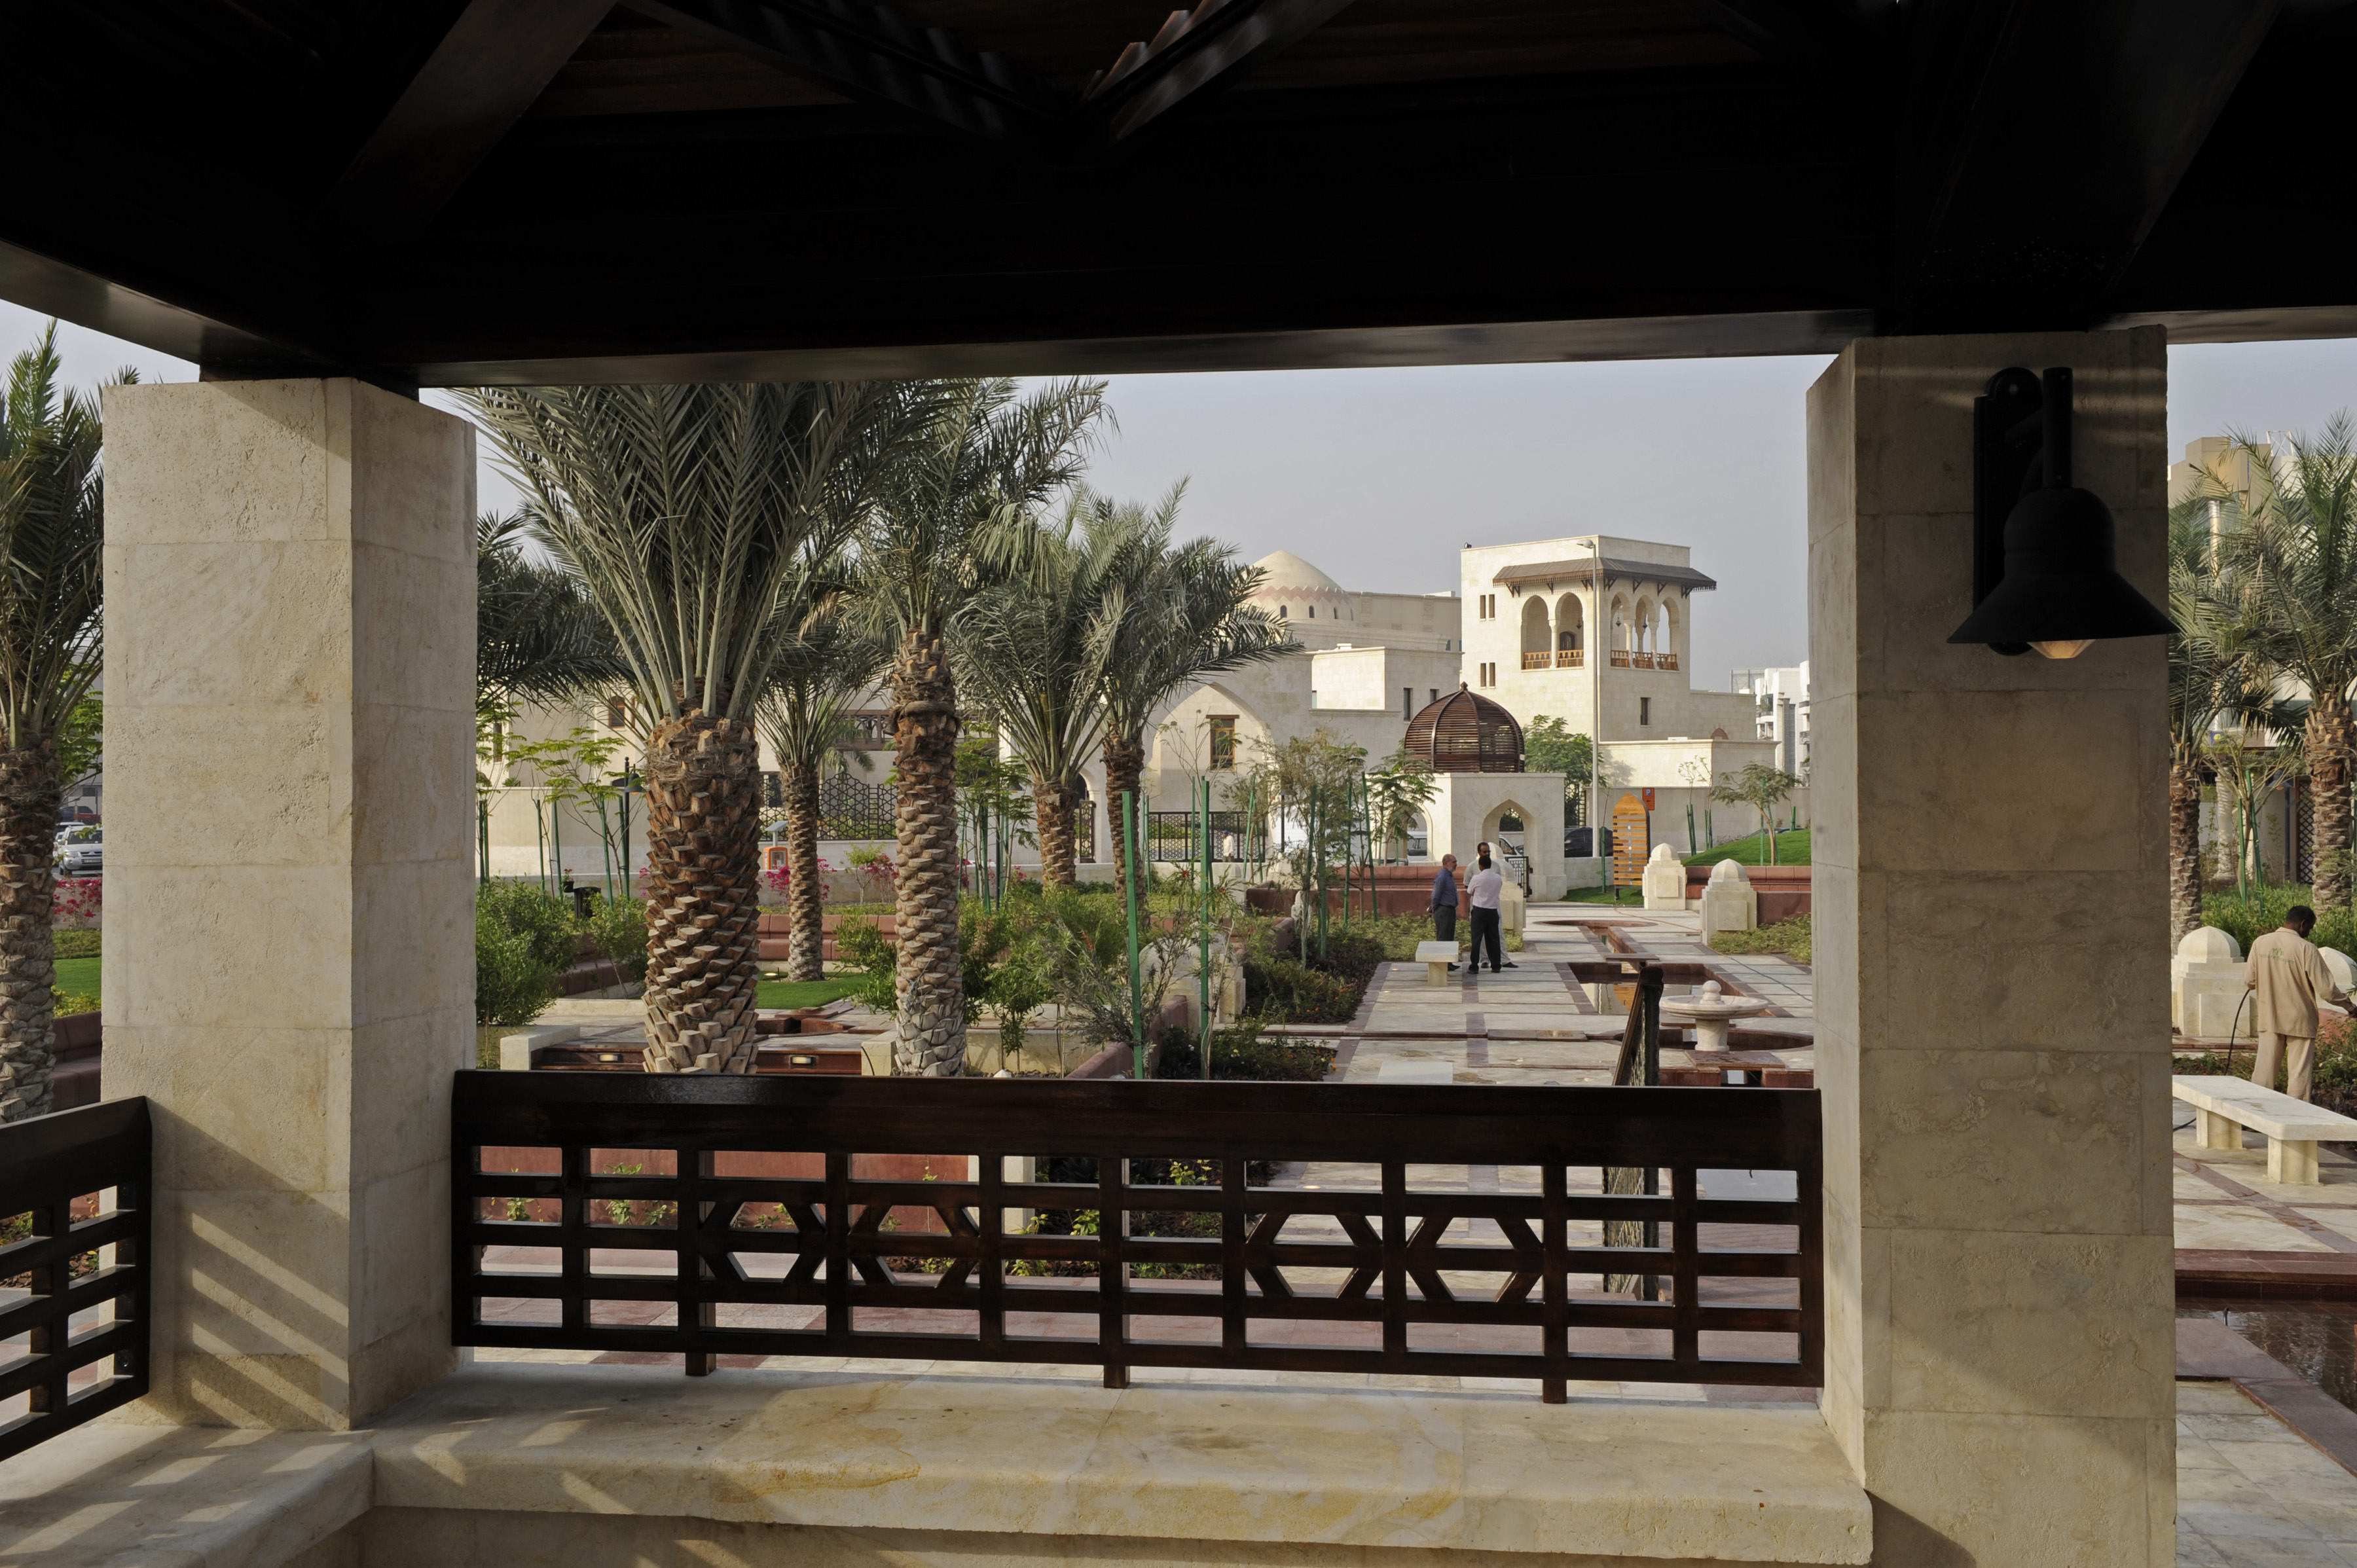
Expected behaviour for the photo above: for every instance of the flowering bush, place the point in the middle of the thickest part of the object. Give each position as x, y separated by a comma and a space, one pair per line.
75, 905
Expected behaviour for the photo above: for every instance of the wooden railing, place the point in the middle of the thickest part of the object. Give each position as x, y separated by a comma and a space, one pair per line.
712, 1215
1620, 659
74, 1268
1542, 660
1666, 660
1642, 660
1571, 657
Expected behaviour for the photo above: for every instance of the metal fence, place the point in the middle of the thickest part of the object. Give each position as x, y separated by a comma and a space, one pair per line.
850, 807
74, 1266
1178, 836
758, 1228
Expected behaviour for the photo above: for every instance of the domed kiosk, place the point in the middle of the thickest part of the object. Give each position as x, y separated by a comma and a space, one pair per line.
1464, 733
1474, 748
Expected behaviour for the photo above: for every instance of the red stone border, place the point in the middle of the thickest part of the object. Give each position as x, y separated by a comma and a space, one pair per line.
2209, 1351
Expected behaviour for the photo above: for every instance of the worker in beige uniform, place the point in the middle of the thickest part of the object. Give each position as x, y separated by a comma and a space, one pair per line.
2288, 978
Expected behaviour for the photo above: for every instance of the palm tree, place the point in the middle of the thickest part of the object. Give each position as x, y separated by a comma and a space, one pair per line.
825, 666
2216, 684
694, 516
538, 638
52, 527
989, 459
2297, 551
1188, 614
1033, 649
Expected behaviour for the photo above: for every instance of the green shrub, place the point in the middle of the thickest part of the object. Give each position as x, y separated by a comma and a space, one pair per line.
1244, 1053
1790, 936
618, 927
543, 920
511, 985
77, 944
1290, 990
62, 1003
857, 942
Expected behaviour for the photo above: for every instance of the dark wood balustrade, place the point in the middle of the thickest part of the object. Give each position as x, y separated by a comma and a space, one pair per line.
74, 1278
1492, 1282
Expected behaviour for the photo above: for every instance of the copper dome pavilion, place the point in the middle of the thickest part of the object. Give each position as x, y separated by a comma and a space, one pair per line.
1463, 733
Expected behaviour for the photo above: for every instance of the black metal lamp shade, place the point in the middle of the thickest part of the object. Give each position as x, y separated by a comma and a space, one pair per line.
2062, 588
2061, 581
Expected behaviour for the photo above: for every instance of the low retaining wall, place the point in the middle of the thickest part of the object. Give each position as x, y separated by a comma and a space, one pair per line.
1784, 890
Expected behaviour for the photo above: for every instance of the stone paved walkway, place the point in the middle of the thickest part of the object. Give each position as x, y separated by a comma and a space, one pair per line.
2251, 1493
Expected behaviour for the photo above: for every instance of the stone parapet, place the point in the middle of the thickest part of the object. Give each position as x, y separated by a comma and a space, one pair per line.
528, 1465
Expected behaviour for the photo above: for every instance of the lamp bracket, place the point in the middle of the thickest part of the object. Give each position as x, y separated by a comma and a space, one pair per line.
2008, 461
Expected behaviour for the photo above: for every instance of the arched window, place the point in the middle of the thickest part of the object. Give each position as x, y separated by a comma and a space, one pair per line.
1283, 611
1313, 612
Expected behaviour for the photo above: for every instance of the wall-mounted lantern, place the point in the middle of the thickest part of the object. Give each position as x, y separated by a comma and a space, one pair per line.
2044, 572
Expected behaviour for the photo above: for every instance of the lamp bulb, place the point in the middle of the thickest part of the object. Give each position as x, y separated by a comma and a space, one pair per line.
2066, 648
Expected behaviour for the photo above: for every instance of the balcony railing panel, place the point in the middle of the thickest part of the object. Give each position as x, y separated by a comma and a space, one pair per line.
1665, 661
1509, 1281
74, 1266
1642, 660
1569, 658
1620, 659
1542, 660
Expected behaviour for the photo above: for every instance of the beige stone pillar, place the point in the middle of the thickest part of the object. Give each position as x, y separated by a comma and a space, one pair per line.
1992, 983
290, 681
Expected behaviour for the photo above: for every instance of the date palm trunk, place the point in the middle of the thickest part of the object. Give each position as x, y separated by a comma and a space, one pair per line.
929, 1040
2328, 771
1055, 802
2184, 849
805, 897
703, 861
1124, 765
28, 821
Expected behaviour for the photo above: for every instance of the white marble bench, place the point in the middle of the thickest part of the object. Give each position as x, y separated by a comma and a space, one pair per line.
1436, 957
2292, 1127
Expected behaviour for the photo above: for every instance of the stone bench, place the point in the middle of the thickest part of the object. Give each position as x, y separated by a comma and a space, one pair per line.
1436, 957
2292, 1127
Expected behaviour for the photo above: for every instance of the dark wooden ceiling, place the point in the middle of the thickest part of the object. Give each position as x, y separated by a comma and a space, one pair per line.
430, 191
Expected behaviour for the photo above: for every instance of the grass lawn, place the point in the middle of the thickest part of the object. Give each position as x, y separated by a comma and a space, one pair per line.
78, 976
783, 992
1630, 897
1791, 849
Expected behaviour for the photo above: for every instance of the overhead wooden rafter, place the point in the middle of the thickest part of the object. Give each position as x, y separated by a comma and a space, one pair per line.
1818, 36
2038, 145
495, 57
1194, 54
876, 54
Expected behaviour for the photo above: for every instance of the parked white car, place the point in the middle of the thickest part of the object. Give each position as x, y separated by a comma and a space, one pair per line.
82, 851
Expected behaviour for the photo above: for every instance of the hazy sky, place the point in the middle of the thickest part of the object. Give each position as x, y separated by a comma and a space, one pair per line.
1378, 476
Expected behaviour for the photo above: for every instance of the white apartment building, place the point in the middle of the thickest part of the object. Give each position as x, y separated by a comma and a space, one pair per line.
1782, 719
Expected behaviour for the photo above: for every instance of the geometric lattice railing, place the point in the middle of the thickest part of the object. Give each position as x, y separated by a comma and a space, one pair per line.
1256, 1226
74, 1213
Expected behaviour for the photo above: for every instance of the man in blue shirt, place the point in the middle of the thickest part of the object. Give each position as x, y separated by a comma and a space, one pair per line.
1443, 902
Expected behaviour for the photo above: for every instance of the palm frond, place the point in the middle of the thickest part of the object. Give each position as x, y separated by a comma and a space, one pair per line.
691, 515
52, 532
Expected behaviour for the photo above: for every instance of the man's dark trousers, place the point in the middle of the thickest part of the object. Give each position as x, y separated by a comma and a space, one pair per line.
1487, 929
1444, 922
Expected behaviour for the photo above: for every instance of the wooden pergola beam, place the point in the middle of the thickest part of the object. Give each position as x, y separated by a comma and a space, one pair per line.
2038, 144
871, 52
497, 56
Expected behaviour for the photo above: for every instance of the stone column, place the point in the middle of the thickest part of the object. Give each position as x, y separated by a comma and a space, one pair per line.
1991, 984
290, 691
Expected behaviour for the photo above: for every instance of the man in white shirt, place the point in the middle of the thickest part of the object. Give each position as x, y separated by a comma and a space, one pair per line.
1485, 885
